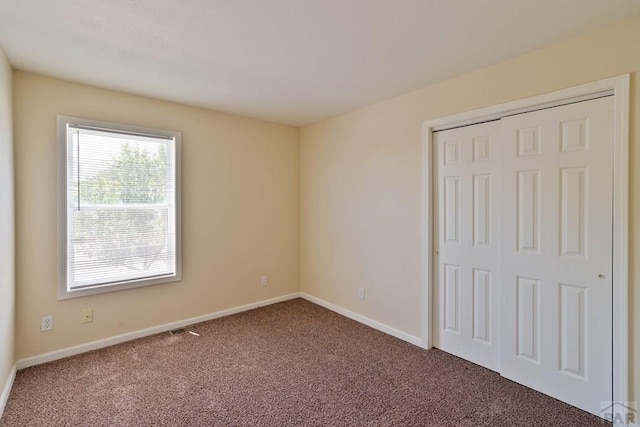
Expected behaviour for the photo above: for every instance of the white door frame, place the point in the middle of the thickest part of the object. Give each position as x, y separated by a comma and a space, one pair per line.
619, 87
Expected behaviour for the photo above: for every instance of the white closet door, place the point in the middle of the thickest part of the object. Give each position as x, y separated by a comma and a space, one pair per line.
467, 264
557, 252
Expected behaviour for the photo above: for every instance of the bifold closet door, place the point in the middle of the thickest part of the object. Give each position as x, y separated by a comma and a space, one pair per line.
467, 267
523, 263
556, 256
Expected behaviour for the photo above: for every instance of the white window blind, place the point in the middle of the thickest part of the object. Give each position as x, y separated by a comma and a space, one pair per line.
121, 208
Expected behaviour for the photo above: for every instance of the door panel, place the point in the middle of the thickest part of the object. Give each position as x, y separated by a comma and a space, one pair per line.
528, 212
482, 305
528, 318
556, 298
466, 316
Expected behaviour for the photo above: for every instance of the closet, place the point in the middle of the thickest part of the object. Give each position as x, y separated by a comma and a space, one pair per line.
522, 271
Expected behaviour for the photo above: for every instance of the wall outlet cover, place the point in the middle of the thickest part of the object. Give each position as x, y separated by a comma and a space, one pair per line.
46, 323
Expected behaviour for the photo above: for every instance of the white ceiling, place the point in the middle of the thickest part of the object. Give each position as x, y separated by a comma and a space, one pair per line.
289, 61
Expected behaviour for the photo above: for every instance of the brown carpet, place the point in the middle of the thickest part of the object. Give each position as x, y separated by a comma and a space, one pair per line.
289, 364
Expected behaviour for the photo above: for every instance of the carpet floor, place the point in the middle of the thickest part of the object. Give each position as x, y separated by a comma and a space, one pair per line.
288, 364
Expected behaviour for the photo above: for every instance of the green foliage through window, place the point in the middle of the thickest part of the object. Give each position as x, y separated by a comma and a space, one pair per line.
136, 176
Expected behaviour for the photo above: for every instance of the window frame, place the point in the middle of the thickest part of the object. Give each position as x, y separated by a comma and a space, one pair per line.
63, 290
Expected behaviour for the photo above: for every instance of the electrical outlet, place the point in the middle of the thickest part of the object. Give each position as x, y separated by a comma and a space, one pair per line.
46, 323
263, 281
87, 315
361, 293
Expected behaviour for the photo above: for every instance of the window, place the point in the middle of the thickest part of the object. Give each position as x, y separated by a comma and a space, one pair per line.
119, 207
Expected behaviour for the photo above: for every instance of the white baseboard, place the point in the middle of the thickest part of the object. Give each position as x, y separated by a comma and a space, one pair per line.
106, 342
4, 397
365, 320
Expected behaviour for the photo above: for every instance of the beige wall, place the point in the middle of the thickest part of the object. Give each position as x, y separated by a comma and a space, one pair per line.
239, 214
7, 284
360, 179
